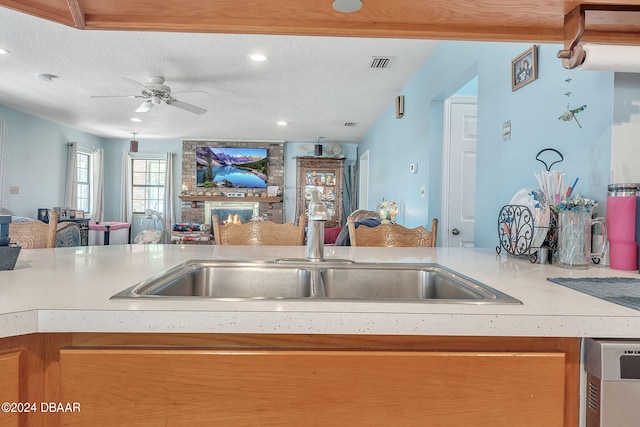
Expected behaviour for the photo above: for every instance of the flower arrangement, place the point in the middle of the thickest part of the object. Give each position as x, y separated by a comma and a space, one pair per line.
577, 204
388, 210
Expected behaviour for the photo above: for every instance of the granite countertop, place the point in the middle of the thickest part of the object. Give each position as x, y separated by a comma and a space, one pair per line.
68, 290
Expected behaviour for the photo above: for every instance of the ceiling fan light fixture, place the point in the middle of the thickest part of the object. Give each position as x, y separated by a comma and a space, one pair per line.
347, 6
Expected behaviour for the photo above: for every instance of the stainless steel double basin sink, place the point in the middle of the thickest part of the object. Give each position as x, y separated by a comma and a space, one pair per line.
315, 281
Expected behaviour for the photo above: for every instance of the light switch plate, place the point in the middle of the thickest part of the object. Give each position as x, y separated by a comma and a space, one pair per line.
506, 130
413, 167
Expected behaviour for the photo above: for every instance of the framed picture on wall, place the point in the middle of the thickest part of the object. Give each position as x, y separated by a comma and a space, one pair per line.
43, 214
524, 68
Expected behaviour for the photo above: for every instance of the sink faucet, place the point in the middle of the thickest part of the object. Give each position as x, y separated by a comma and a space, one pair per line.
318, 214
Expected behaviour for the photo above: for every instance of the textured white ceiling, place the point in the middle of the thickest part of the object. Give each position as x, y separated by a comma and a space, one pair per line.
314, 83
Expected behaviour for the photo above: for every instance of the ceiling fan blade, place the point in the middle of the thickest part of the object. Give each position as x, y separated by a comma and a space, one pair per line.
200, 92
145, 106
137, 84
116, 96
185, 106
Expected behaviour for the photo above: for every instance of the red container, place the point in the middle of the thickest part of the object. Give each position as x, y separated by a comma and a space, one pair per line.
621, 226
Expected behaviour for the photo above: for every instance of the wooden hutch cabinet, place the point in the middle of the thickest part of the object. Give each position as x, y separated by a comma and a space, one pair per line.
326, 175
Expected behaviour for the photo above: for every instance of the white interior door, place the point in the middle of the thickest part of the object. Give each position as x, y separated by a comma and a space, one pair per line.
363, 178
459, 171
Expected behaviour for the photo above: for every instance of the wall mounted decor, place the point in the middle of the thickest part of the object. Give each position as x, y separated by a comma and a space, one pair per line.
570, 113
524, 68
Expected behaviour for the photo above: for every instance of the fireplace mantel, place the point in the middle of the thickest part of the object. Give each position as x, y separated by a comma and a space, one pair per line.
195, 199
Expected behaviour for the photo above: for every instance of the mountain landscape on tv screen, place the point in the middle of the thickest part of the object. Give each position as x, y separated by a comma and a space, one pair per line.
231, 167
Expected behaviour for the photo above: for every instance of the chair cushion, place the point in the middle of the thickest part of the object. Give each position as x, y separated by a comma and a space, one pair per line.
67, 236
331, 234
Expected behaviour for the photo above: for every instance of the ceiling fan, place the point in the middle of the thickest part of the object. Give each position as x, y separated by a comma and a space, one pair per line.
155, 92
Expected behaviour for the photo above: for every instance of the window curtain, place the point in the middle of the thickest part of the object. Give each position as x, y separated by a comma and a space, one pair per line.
169, 214
97, 198
71, 187
126, 205
4, 199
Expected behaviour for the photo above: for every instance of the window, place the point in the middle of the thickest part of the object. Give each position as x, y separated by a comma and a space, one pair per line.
148, 185
83, 165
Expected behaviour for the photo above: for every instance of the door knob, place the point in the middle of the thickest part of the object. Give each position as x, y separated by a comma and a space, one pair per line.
455, 231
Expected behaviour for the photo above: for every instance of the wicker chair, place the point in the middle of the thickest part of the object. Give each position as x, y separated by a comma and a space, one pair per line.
35, 234
259, 233
392, 235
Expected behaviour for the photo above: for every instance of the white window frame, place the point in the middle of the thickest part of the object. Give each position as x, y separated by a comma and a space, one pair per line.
89, 182
146, 157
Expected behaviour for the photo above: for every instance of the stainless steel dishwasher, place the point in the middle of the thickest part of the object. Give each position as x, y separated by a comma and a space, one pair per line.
613, 382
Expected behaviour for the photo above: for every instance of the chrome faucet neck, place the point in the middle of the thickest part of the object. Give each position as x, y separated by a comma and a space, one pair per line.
318, 214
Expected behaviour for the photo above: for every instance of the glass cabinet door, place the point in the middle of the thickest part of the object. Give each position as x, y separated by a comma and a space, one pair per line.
325, 183
324, 175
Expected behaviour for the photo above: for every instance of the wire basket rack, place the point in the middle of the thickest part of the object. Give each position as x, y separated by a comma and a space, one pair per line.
516, 229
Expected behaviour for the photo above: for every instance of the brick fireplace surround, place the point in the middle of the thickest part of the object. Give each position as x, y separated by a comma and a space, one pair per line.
193, 210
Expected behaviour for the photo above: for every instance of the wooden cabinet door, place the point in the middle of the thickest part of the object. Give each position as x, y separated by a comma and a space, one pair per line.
9, 391
303, 388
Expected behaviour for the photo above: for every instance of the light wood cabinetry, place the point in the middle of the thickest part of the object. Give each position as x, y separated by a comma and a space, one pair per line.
325, 175
263, 379
9, 392
332, 388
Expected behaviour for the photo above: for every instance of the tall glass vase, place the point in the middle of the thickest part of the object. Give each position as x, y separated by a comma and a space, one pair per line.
574, 239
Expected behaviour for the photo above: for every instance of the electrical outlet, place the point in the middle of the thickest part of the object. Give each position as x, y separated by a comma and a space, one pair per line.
14, 189
423, 192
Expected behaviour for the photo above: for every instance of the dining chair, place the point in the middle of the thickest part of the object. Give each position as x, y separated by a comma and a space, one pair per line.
392, 235
35, 234
259, 233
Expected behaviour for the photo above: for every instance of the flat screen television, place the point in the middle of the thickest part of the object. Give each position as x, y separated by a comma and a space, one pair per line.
231, 167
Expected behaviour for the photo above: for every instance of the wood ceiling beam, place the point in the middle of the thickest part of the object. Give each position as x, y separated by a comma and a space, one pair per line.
75, 8
509, 20
52, 11
325, 28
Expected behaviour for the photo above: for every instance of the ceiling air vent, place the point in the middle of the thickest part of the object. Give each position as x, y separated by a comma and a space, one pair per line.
350, 124
380, 62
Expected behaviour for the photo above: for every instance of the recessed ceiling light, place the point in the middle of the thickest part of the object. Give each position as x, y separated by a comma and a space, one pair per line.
347, 6
135, 119
258, 57
3, 51
282, 123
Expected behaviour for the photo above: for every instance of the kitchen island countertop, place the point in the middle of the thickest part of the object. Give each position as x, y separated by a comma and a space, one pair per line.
69, 290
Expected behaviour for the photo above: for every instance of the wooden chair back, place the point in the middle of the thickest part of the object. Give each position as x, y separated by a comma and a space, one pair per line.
35, 234
392, 235
259, 233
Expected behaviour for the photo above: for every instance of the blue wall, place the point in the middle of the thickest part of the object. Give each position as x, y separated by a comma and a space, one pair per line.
37, 159
503, 167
